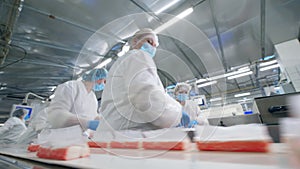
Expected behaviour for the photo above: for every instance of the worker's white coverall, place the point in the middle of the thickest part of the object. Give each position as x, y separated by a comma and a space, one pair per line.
12, 129
72, 105
36, 125
134, 97
193, 110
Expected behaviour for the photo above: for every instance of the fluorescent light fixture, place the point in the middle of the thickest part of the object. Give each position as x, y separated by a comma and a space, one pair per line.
1, 124
104, 63
267, 63
209, 79
269, 67
52, 88
121, 53
96, 60
166, 7
242, 94
174, 20
277, 88
216, 99
241, 70
125, 49
79, 71
237, 72
201, 80
3, 88
206, 84
216, 77
84, 65
244, 100
244, 68
240, 75
267, 57
52, 96
185, 13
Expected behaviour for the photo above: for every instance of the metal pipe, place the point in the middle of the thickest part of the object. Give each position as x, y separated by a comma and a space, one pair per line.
262, 27
218, 35
35, 76
5, 38
35, 95
47, 63
46, 44
262, 38
76, 25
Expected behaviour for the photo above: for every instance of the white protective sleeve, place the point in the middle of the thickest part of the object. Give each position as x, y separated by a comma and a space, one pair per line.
71, 106
13, 128
134, 97
147, 95
201, 118
4, 129
193, 110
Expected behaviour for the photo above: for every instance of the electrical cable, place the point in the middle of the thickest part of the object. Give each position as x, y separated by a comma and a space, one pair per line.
25, 54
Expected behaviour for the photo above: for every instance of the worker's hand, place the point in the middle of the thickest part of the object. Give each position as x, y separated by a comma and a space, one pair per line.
93, 124
185, 120
193, 123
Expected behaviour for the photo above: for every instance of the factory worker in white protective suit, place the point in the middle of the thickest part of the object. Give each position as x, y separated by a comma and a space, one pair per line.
13, 127
182, 91
134, 97
36, 125
75, 102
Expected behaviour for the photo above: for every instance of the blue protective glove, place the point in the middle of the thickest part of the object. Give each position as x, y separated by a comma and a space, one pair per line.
193, 123
93, 124
185, 120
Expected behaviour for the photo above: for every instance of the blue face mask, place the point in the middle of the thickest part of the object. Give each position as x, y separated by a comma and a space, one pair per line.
99, 87
182, 97
149, 49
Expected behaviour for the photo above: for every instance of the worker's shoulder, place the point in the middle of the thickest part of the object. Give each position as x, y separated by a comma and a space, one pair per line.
72, 84
12, 121
140, 57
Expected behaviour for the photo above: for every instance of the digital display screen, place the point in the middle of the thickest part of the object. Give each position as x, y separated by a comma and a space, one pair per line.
200, 101
27, 109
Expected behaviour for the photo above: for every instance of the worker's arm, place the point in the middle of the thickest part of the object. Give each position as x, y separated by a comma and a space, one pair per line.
59, 114
201, 118
8, 125
3, 130
147, 94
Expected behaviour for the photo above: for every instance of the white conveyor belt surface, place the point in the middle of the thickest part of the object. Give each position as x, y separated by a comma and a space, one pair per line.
124, 158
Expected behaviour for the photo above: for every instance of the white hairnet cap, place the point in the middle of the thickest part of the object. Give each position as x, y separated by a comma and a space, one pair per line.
182, 87
95, 75
144, 33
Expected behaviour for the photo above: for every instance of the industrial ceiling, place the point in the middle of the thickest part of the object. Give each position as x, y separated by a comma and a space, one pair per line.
45, 43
